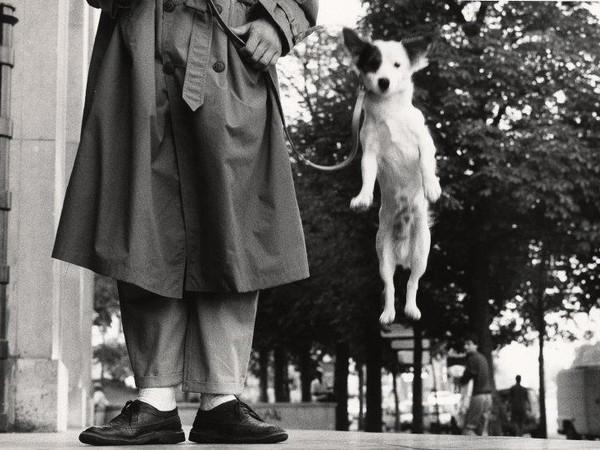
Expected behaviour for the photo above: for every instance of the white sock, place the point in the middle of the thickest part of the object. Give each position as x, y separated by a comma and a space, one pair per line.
162, 398
209, 401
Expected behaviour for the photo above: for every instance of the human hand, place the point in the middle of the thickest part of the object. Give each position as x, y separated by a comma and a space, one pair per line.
263, 44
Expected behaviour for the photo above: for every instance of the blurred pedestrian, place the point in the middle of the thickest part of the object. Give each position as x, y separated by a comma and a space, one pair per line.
519, 405
320, 391
480, 406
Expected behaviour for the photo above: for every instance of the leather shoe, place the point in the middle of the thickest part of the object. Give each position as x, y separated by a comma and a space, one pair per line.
234, 422
139, 423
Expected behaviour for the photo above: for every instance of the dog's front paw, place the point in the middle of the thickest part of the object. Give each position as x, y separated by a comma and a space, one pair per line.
361, 202
412, 312
432, 189
387, 317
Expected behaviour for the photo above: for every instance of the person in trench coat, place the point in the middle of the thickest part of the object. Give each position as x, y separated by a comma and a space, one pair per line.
182, 191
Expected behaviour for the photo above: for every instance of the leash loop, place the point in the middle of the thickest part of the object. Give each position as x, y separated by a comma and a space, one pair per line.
239, 43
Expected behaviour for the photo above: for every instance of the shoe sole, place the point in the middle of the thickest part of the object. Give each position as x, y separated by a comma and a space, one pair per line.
157, 437
207, 437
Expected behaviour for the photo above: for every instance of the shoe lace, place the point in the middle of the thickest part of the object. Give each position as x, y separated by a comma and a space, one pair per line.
127, 413
242, 408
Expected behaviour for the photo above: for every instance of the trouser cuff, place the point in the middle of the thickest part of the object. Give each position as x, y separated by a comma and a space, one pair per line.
158, 381
212, 388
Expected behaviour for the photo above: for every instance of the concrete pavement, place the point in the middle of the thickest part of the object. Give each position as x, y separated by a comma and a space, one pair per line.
303, 440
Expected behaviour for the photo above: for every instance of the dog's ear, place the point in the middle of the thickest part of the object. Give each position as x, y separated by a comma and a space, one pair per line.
418, 49
353, 42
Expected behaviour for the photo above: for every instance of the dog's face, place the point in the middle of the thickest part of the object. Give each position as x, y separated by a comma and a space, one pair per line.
386, 67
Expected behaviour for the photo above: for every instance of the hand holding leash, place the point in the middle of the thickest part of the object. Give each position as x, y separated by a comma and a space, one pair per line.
263, 44
236, 37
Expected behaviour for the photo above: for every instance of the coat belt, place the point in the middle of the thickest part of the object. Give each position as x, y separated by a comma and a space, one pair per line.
198, 54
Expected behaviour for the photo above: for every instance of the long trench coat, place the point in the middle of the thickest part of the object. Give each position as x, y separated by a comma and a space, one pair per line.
182, 179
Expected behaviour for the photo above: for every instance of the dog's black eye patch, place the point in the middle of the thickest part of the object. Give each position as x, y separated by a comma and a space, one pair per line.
370, 59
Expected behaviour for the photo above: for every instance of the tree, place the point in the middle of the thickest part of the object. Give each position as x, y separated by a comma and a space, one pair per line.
106, 302
511, 97
114, 359
111, 356
494, 127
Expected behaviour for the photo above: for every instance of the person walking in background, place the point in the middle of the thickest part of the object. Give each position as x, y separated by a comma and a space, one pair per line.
480, 406
519, 405
182, 191
321, 391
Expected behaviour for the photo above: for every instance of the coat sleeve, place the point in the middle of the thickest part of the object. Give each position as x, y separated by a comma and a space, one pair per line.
293, 18
109, 6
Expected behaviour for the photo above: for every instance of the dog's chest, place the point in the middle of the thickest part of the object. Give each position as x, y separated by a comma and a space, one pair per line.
394, 138
403, 135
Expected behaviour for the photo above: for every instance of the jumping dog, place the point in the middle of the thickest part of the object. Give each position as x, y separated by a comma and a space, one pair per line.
399, 153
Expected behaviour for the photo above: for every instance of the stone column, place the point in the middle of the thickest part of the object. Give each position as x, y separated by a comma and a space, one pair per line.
50, 303
78, 284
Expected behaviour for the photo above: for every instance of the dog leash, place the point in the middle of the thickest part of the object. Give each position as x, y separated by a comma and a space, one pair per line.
239, 43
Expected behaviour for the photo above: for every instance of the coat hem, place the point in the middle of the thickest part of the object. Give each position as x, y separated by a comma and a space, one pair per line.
139, 278
259, 283
118, 272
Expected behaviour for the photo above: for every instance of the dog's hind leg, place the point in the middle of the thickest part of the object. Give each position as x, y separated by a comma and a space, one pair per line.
387, 267
421, 242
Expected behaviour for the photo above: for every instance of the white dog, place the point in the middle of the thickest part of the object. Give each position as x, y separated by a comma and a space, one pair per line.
399, 152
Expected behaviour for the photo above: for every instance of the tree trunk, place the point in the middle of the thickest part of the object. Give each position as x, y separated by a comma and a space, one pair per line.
543, 429
263, 377
282, 387
417, 406
396, 400
340, 386
102, 377
306, 373
437, 428
373, 360
540, 321
361, 395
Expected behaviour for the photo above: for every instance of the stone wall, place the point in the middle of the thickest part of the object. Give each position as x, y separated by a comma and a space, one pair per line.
50, 303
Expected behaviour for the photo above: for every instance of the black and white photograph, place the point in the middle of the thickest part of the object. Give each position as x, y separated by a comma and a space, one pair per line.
301, 224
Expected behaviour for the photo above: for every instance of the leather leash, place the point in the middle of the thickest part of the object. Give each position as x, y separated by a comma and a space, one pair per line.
239, 43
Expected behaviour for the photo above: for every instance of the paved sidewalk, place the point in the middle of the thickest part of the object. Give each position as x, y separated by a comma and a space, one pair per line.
304, 440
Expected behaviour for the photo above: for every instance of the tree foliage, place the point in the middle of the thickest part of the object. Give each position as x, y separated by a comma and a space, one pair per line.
106, 302
512, 98
114, 360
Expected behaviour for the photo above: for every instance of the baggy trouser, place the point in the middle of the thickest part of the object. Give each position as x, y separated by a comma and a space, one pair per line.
478, 415
202, 341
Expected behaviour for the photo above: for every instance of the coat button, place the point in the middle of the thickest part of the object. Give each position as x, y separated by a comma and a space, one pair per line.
219, 66
219, 9
169, 6
169, 68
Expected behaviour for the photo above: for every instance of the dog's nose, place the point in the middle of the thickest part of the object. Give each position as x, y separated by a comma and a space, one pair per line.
384, 84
